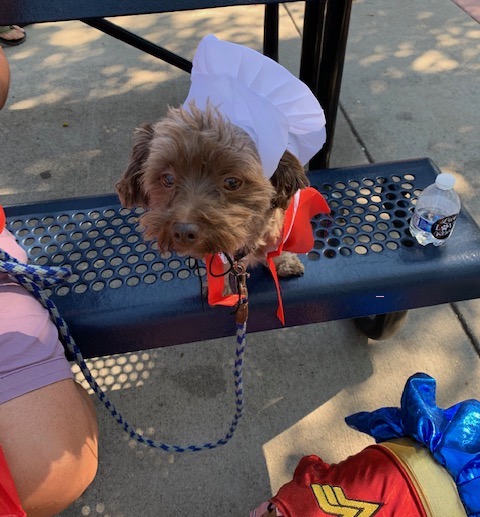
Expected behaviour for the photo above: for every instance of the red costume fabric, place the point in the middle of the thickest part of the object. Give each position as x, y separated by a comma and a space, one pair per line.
371, 483
2, 219
297, 237
9, 501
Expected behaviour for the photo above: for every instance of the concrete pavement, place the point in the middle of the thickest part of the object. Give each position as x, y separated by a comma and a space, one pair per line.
410, 89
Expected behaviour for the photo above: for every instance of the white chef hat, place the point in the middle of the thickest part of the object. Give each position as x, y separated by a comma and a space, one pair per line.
276, 109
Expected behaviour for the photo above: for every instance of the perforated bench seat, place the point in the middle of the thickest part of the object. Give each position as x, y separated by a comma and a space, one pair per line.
124, 295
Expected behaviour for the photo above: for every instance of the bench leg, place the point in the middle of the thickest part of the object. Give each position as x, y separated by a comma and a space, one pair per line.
381, 326
325, 34
270, 31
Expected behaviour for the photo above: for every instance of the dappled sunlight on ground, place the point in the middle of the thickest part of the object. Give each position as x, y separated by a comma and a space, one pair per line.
437, 59
72, 36
434, 61
409, 87
131, 79
41, 100
78, 94
117, 372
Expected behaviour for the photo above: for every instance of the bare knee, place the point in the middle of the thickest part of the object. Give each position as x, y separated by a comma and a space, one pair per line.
51, 446
66, 481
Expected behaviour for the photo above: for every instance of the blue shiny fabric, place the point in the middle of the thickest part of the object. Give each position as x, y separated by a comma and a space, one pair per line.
452, 435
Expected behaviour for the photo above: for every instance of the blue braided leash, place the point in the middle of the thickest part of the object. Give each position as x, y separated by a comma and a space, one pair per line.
36, 278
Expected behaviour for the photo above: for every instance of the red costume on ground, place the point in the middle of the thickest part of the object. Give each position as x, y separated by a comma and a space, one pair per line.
9, 501
2, 219
371, 483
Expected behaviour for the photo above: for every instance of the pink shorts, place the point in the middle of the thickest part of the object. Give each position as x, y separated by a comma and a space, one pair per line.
31, 355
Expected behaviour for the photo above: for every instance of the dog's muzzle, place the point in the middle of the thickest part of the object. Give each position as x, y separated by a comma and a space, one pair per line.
185, 234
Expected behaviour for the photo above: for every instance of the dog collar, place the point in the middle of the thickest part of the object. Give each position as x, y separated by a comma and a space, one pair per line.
297, 237
277, 110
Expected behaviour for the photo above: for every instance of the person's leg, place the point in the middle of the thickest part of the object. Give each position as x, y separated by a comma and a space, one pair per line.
4, 85
48, 427
49, 439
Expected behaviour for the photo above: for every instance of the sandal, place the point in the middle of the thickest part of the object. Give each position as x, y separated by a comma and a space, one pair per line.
11, 42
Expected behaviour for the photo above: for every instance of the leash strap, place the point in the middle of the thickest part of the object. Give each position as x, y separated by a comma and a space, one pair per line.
36, 278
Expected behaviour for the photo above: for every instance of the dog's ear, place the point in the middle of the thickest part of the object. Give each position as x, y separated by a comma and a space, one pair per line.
287, 179
129, 188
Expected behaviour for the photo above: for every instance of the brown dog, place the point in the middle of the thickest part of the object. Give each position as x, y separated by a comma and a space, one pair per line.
200, 179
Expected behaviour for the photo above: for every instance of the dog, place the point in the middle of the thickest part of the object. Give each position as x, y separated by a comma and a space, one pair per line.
200, 179
222, 177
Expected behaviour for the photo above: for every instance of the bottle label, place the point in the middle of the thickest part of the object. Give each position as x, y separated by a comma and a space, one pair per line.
421, 223
442, 228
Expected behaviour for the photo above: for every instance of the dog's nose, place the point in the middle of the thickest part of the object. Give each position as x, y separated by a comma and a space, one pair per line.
185, 233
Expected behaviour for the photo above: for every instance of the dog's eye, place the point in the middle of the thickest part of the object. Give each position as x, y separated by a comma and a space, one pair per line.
167, 180
232, 183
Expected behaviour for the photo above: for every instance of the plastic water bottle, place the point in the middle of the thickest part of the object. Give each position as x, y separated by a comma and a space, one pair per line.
436, 211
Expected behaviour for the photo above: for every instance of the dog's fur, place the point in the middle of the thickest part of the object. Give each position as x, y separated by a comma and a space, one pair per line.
201, 181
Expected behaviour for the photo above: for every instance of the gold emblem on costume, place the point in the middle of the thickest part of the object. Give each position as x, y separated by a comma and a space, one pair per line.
332, 500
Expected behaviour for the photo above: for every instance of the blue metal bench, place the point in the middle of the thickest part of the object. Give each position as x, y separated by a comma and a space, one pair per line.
365, 265
124, 295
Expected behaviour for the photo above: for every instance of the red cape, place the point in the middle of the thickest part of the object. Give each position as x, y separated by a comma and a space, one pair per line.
2, 219
9, 501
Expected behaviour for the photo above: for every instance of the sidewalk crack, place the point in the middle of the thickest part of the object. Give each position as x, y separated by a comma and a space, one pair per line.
356, 134
468, 331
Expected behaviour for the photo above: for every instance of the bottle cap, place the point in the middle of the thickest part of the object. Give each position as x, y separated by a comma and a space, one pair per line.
445, 181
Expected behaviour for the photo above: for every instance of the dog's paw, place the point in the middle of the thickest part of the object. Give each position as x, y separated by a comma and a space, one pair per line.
288, 264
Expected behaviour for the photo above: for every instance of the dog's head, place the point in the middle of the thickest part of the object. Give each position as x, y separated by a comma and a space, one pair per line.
201, 181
